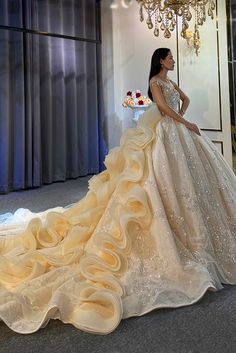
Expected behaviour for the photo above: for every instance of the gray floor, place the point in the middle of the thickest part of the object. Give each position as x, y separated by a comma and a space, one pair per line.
47, 196
209, 326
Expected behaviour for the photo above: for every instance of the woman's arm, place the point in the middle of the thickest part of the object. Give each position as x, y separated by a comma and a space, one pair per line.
159, 99
185, 100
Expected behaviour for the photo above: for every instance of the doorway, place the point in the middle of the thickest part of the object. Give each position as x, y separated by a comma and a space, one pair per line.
231, 31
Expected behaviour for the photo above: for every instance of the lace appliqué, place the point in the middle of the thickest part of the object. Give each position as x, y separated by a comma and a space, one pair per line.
171, 95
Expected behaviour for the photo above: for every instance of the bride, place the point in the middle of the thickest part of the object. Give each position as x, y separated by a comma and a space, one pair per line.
156, 229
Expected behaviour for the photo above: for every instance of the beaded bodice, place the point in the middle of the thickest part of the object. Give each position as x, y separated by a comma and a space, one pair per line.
170, 93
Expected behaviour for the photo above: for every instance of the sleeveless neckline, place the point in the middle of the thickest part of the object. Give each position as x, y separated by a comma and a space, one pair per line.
164, 81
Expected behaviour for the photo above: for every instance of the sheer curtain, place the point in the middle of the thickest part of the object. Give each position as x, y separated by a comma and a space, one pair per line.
50, 92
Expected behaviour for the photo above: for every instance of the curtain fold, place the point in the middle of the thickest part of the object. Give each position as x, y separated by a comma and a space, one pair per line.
51, 118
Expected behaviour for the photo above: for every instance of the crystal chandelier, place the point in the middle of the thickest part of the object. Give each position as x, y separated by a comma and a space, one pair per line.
165, 13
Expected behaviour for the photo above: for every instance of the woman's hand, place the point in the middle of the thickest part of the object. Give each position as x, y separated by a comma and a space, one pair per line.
192, 127
182, 112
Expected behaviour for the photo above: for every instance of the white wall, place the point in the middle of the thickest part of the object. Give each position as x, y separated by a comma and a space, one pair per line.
126, 67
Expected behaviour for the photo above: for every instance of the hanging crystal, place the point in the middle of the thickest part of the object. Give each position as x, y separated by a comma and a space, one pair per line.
189, 16
170, 15
180, 12
210, 13
172, 26
141, 14
213, 5
167, 33
149, 22
156, 32
156, 29
163, 27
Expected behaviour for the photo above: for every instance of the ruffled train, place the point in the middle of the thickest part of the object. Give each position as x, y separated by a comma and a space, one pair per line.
156, 229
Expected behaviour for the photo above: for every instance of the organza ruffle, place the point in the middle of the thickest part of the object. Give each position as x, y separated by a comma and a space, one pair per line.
68, 264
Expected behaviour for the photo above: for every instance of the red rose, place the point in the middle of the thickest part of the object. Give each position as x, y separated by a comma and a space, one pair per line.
138, 95
129, 93
140, 102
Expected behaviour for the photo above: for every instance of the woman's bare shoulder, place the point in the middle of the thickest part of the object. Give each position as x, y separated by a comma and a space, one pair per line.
154, 80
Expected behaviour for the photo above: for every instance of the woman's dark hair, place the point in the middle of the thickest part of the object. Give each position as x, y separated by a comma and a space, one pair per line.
160, 53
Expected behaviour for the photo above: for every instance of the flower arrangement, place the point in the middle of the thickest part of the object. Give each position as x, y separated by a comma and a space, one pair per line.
135, 99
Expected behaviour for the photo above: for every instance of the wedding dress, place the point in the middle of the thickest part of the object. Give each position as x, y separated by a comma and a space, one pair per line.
156, 229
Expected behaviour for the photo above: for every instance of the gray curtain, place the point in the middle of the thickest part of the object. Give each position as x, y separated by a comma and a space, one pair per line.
51, 125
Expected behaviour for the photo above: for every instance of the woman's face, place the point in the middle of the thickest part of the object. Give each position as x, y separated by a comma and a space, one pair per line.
168, 63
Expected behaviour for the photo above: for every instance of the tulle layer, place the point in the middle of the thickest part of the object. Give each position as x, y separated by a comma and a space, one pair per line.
68, 264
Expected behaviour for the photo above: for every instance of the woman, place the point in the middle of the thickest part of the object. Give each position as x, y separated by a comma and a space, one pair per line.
162, 62
156, 229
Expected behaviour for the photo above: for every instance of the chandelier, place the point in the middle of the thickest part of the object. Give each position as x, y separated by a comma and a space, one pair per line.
162, 14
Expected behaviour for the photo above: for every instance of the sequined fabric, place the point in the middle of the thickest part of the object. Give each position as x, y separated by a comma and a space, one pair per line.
156, 229
191, 244
171, 95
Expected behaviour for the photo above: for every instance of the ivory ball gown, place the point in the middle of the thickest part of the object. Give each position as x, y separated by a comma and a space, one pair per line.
156, 229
